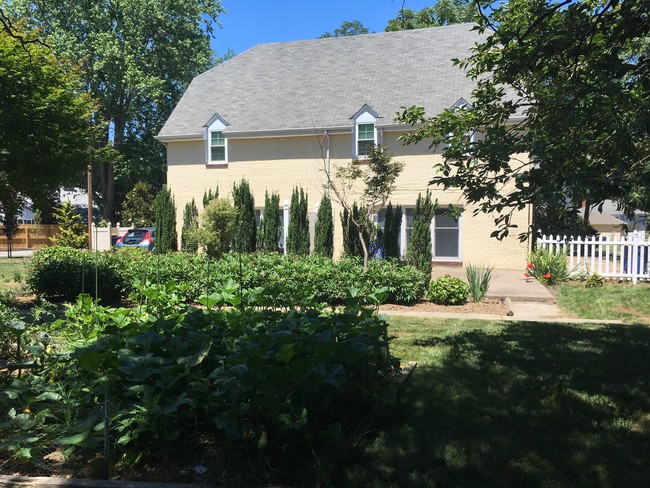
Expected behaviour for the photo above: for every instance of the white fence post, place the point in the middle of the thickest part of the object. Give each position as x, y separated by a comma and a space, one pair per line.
286, 226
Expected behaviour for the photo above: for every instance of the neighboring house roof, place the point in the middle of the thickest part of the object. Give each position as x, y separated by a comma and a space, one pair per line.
322, 83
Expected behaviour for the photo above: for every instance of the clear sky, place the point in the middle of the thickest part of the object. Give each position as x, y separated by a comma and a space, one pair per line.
251, 22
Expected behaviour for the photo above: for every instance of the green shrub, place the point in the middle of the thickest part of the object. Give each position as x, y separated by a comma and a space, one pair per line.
324, 229
479, 278
418, 253
595, 281
404, 284
548, 267
72, 232
448, 290
165, 218
64, 272
260, 382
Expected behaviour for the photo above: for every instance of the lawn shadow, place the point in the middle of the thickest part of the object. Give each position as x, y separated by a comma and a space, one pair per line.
526, 405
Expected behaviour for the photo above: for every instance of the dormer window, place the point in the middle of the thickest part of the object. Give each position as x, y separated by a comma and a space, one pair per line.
365, 139
217, 147
365, 132
217, 142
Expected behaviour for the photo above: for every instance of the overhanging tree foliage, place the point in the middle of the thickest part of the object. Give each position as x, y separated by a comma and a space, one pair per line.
298, 232
348, 28
324, 229
165, 236
137, 58
444, 12
566, 82
46, 139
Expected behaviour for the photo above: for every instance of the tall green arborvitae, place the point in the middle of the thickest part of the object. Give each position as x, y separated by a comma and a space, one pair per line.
270, 228
351, 242
166, 239
324, 229
392, 225
245, 238
418, 253
298, 232
190, 225
209, 195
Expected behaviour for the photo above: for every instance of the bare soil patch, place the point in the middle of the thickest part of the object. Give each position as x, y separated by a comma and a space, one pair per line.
489, 307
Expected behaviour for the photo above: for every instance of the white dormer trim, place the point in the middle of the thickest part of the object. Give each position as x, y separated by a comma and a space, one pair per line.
362, 118
215, 124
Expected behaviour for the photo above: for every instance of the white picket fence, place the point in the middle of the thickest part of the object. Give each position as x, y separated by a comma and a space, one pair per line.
624, 258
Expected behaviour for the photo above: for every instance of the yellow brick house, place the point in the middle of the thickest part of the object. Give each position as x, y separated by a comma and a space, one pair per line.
281, 115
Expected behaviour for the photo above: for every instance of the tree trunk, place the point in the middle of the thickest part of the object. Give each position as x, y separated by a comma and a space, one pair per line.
107, 186
107, 172
586, 215
364, 246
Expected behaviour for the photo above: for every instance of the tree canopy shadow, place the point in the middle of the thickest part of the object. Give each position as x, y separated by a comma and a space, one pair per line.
529, 405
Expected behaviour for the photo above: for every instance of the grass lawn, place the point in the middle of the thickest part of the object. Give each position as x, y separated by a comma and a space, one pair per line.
13, 272
496, 404
612, 301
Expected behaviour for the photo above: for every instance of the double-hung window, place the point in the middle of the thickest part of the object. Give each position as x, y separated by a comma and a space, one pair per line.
365, 132
365, 139
217, 147
216, 142
446, 237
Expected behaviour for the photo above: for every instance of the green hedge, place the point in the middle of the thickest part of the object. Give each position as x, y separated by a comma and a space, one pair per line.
57, 272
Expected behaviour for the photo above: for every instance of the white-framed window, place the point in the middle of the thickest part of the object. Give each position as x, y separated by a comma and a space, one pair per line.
366, 140
217, 142
217, 147
446, 237
365, 132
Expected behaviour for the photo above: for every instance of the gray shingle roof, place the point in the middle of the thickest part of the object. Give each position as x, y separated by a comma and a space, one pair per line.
322, 83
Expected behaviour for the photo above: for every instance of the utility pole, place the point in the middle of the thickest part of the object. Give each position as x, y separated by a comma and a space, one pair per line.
90, 207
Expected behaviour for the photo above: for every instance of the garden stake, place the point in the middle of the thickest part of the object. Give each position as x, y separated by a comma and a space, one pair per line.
106, 464
83, 272
96, 281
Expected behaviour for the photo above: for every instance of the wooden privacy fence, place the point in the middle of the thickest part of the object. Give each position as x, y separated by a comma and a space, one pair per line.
31, 236
614, 258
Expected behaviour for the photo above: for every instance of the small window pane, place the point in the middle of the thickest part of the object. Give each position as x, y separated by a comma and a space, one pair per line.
218, 139
446, 242
366, 131
364, 147
446, 221
218, 153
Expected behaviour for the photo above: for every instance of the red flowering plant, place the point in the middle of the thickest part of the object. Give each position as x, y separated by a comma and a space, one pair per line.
547, 266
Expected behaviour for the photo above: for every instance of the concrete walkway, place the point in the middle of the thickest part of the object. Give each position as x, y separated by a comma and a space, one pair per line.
531, 301
23, 253
506, 284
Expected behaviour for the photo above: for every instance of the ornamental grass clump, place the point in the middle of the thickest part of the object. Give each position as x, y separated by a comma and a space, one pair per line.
479, 278
547, 267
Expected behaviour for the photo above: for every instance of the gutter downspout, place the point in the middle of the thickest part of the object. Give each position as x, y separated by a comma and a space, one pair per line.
327, 164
